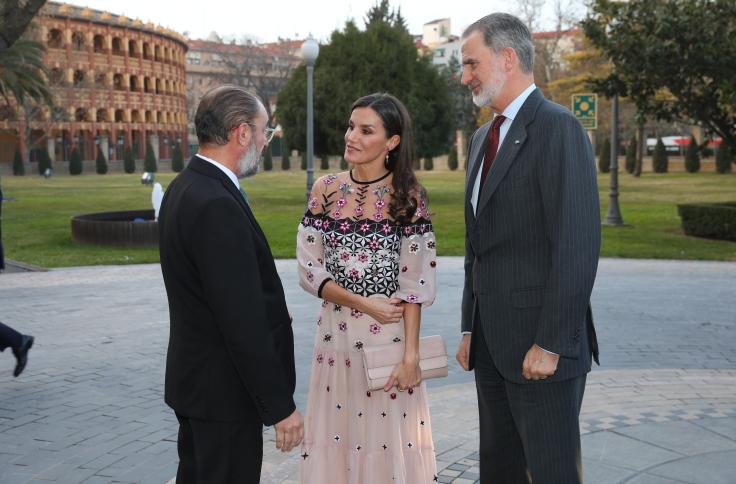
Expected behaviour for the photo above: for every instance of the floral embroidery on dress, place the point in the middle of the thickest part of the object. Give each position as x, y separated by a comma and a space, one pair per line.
343, 326
330, 179
375, 328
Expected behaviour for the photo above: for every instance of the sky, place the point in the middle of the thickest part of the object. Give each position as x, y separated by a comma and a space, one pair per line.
267, 20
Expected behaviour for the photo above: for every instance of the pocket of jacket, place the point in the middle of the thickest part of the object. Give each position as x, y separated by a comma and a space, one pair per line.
528, 297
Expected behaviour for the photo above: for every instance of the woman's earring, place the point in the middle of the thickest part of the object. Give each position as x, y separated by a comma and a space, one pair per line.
385, 163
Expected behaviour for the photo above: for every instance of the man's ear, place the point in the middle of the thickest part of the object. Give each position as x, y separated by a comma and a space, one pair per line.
244, 134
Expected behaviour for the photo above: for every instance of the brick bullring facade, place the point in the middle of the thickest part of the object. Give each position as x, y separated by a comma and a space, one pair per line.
116, 83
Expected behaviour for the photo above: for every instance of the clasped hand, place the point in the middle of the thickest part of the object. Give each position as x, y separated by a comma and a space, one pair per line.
406, 374
385, 311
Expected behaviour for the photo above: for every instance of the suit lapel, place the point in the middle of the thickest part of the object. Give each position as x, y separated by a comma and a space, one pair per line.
512, 143
476, 158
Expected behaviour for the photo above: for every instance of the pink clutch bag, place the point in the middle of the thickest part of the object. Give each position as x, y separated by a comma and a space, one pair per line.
379, 361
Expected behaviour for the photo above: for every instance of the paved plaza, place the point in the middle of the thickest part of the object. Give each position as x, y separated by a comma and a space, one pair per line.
89, 407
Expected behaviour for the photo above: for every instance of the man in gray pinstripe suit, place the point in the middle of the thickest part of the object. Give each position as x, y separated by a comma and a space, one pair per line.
531, 253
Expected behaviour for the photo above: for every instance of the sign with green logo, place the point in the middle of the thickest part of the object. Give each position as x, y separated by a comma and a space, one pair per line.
584, 107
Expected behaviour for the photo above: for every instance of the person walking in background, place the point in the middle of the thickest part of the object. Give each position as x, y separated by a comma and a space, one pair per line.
366, 247
531, 254
19, 343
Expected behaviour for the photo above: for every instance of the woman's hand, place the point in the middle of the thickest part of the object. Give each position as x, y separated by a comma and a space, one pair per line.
384, 311
407, 374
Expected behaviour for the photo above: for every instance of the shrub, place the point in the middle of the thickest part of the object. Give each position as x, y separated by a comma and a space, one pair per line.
19, 169
285, 161
304, 160
150, 164
267, 159
177, 159
660, 160
428, 163
692, 156
343, 164
604, 156
709, 220
724, 157
324, 162
44, 161
100, 162
75, 162
129, 160
452, 159
630, 163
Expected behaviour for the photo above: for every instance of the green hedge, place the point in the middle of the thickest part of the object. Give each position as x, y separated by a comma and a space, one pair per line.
709, 220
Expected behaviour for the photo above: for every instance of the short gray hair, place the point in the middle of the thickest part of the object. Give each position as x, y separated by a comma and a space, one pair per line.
222, 109
500, 31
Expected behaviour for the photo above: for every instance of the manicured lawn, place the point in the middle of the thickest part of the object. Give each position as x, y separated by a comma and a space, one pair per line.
36, 225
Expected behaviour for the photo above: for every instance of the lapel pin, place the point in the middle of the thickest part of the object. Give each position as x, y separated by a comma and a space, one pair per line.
516, 142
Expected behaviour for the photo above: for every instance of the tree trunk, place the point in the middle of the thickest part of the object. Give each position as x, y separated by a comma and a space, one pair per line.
641, 150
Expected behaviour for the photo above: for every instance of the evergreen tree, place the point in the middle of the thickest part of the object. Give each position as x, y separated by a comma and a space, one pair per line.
604, 156
452, 159
267, 159
44, 161
75, 162
343, 164
129, 160
304, 160
381, 58
692, 156
285, 161
631, 155
428, 163
19, 168
724, 158
150, 165
324, 162
660, 160
100, 162
177, 159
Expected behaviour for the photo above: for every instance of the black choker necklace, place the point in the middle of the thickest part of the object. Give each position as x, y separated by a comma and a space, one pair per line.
368, 182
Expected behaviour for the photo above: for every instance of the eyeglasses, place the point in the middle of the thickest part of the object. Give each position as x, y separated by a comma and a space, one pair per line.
267, 132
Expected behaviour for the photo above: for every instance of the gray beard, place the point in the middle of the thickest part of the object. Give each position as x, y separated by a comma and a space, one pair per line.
249, 163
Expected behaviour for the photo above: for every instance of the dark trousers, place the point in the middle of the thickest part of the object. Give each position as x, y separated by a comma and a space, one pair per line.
219, 452
9, 337
529, 433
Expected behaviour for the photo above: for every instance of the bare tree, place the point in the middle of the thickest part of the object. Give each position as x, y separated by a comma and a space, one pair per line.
259, 68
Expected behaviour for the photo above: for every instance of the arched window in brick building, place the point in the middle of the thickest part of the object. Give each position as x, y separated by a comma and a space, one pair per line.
100, 80
118, 82
117, 46
159, 88
78, 41
136, 116
134, 84
119, 116
147, 84
133, 49
80, 114
56, 76
99, 44
78, 78
102, 115
54, 39
157, 57
146, 50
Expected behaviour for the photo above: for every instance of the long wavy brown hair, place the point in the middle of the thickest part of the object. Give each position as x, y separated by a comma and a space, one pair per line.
396, 120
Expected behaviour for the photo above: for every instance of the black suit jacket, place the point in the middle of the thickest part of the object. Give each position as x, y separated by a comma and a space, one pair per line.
531, 247
231, 348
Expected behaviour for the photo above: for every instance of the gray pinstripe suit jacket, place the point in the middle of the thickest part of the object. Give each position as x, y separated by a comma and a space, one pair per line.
531, 248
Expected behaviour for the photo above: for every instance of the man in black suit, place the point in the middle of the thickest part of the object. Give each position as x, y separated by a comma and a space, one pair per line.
230, 364
531, 254
19, 343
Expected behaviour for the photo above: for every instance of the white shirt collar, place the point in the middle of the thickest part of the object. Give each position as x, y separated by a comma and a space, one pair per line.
224, 169
513, 108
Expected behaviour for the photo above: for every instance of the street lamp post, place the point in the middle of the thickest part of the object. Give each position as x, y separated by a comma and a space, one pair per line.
310, 51
613, 216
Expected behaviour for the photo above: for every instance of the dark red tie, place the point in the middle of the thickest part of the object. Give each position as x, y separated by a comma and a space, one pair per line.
492, 146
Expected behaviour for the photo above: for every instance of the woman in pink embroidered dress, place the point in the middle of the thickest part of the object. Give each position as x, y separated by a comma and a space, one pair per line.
367, 248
